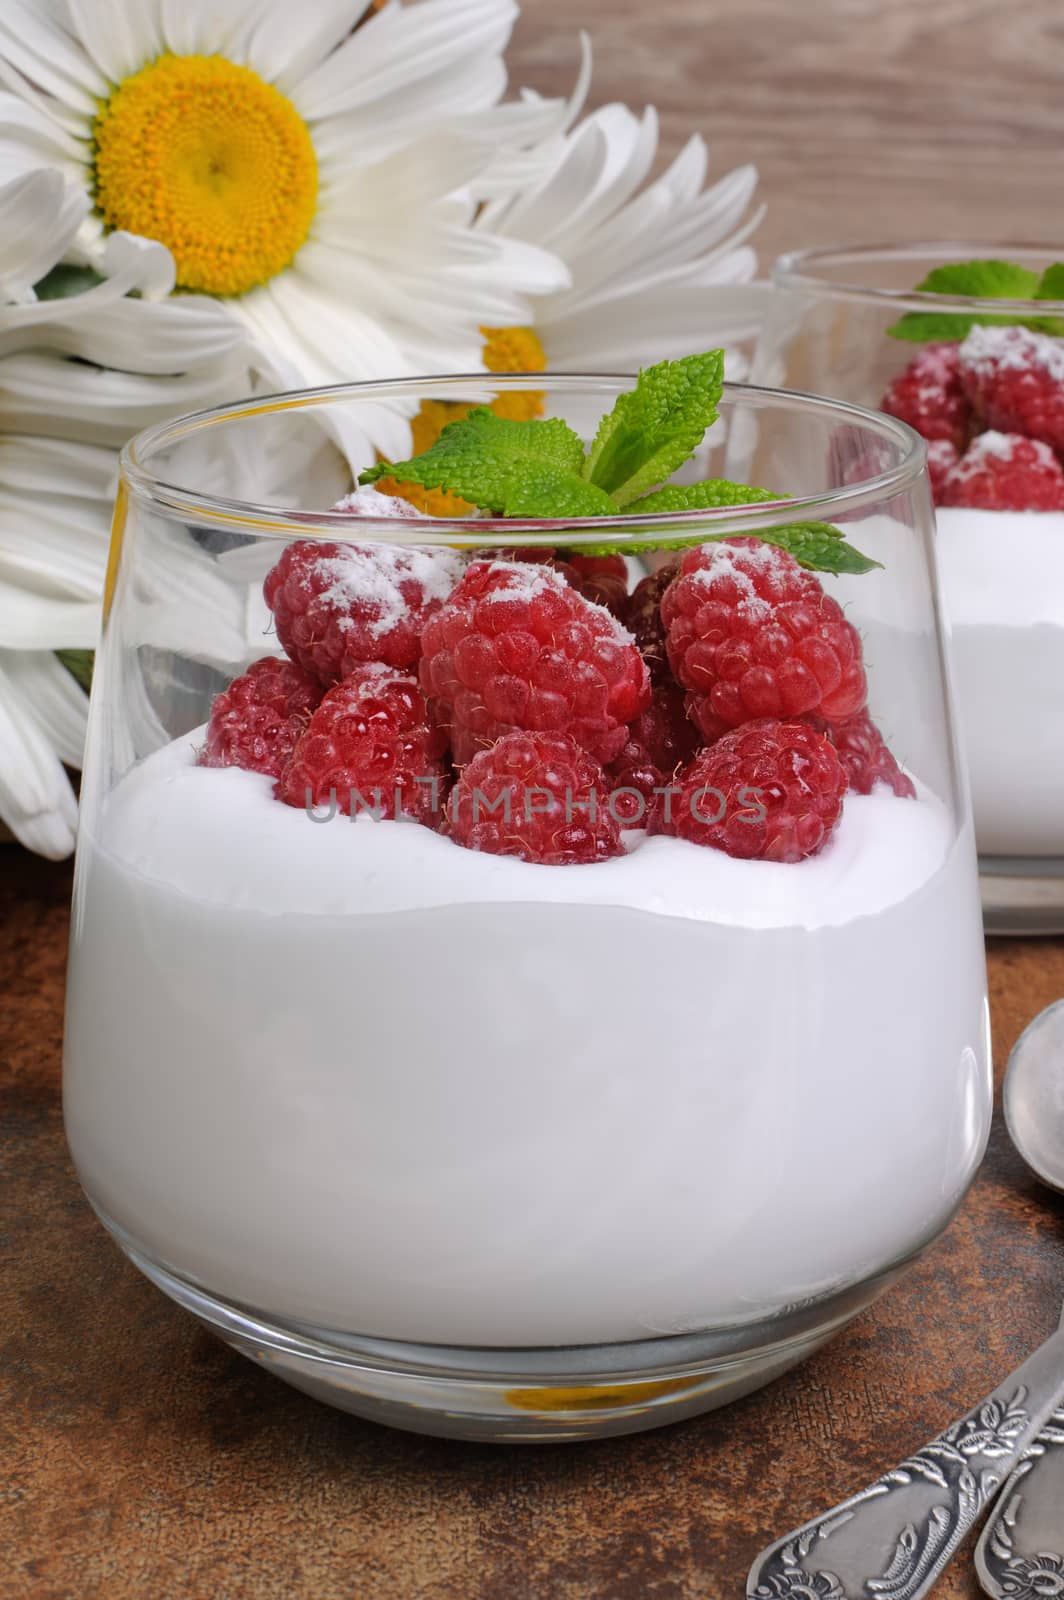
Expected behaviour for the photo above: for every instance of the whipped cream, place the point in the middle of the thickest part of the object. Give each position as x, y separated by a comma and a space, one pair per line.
356, 1077
1003, 586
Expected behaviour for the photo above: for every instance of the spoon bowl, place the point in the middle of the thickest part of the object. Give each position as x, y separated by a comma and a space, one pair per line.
1034, 1095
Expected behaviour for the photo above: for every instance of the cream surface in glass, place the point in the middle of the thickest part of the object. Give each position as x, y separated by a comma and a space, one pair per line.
1002, 570
477, 1145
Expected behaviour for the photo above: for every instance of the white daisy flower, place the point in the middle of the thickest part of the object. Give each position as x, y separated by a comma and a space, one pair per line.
317, 167
655, 271
60, 421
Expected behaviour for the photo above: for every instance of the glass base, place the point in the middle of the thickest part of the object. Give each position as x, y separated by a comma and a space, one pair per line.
518, 1395
1022, 894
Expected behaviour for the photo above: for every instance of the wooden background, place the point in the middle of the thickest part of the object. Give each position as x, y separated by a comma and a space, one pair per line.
140, 1459
868, 119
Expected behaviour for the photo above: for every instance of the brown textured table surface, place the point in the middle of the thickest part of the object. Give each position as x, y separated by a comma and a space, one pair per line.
142, 1460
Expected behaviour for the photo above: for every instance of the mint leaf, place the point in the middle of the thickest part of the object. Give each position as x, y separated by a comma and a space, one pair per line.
654, 428
1051, 283
514, 469
981, 280
79, 664
65, 280
819, 546
705, 496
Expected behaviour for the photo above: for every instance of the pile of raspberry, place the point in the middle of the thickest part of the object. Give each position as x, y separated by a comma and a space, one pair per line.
530, 705
992, 411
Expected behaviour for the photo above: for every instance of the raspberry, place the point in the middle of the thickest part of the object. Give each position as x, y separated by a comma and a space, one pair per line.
537, 796
1015, 380
930, 396
337, 605
642, 618
770, 791
660, 740
1004, 472
256, 721
752, 635
368, 743
603, 579
516, 648
864, 754
941, 458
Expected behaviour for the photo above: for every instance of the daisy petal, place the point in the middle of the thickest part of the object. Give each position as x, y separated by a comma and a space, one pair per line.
31, 621
401, 47
59, 702
36, 800
33, 135
130, 37
47, 56
654, 324
287, 42
215, 29
39, 215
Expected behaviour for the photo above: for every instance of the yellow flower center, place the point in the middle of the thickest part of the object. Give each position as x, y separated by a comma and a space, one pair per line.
212, 161
505, 350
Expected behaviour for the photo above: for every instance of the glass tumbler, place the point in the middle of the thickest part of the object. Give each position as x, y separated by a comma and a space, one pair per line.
475, 1144
1002, 570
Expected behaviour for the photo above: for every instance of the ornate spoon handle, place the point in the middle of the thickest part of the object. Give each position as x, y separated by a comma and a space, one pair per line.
1020, 1555
891, 1540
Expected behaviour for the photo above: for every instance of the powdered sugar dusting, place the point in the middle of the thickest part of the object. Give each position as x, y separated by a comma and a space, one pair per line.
370, 502
527, 579
995, 446
737, 564
524, 581
368, 582
994, 349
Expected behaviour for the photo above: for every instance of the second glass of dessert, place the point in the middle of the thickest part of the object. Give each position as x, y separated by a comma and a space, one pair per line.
965, 342
526, 973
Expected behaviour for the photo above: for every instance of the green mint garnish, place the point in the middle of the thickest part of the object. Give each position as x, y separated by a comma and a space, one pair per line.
514, 469
655, 427
79, 664
820, 547
538, 469
981, 280
1051, 284
711, 495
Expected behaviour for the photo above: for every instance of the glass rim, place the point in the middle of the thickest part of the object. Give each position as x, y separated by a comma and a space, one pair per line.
259, 520
798, 269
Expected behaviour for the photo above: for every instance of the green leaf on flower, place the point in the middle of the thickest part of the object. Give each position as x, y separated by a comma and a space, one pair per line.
514, 469
654, 428
66, 280
980, 280
79, 664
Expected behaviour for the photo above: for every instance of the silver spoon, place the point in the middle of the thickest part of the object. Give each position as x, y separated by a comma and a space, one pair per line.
1034, 1095
1020, 1552
892, 1540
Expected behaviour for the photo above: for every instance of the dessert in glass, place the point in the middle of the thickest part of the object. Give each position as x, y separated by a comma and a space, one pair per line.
980, 374
526, 974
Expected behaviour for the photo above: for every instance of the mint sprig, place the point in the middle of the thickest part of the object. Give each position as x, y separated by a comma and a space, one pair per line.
538, 469
981, 280
515, 469
655, 427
